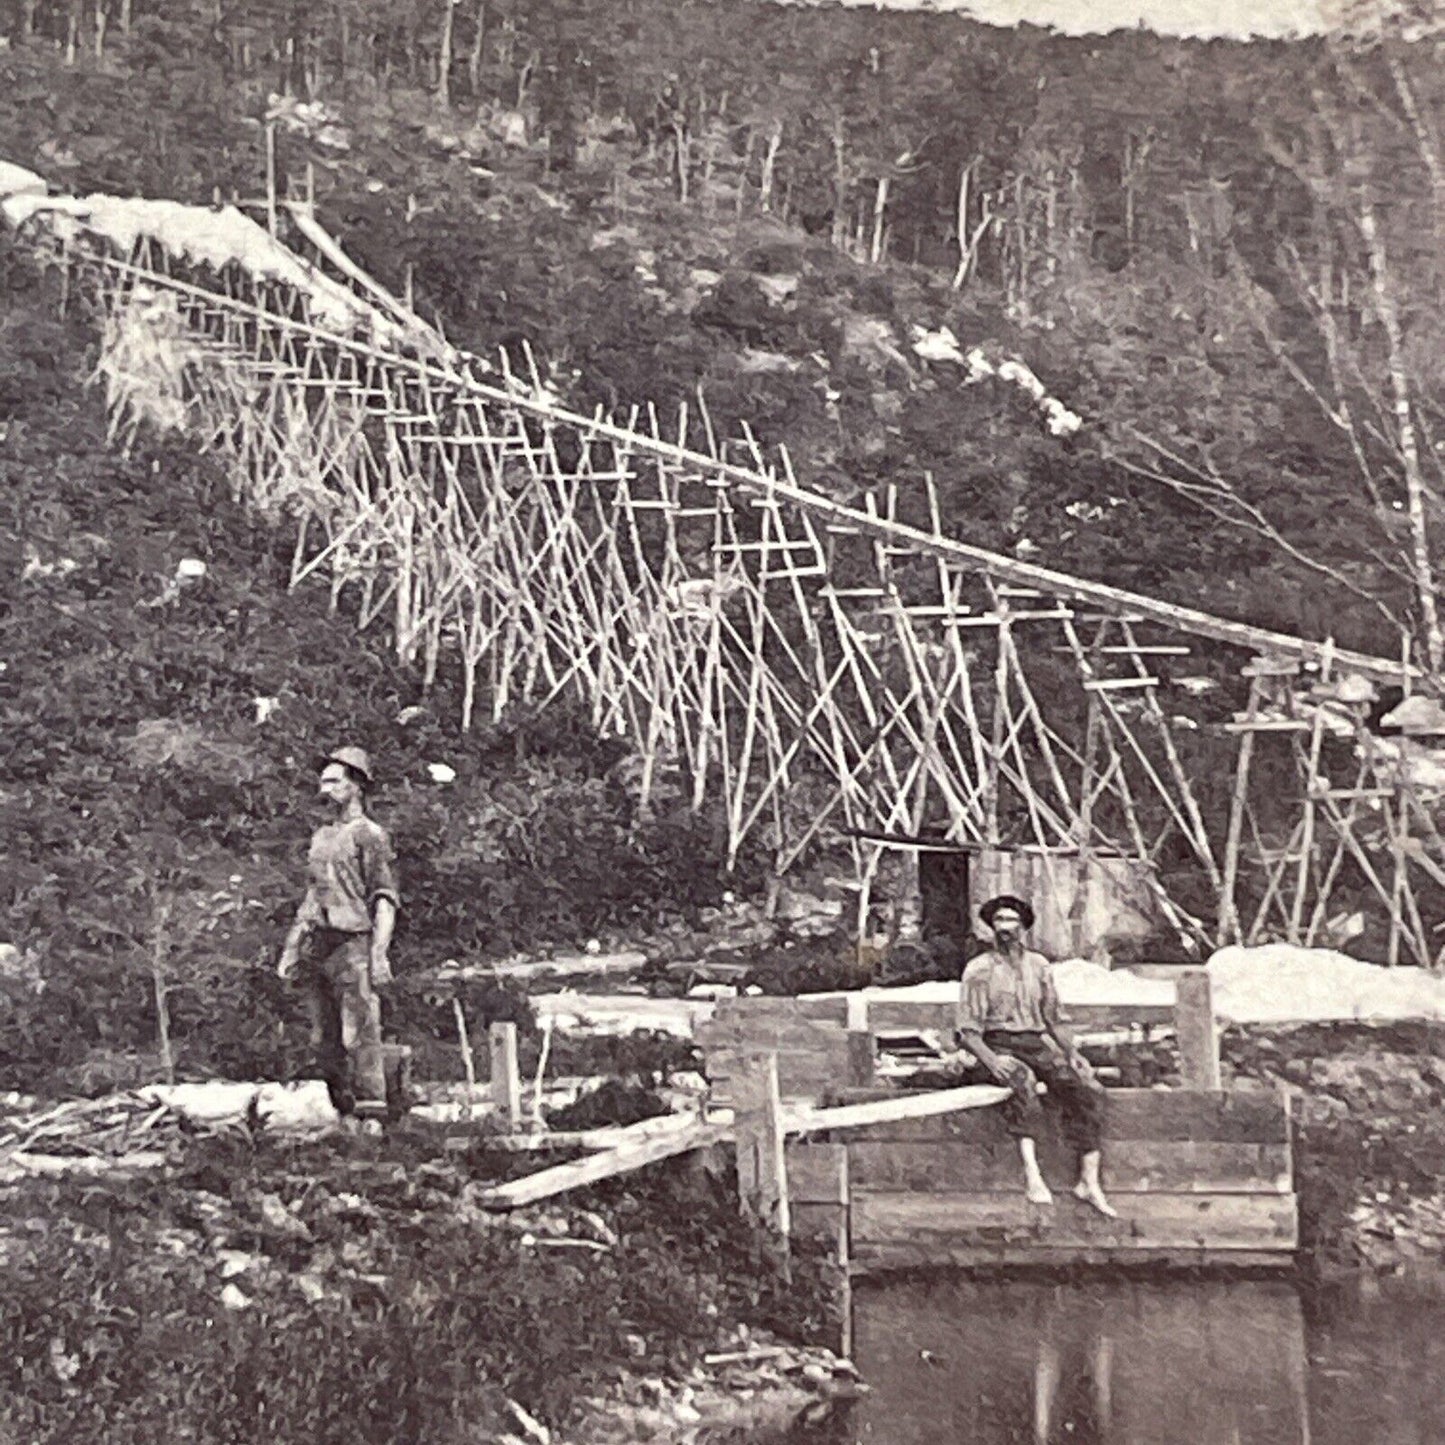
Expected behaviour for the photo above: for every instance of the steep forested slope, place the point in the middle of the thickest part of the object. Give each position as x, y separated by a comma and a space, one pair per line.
157, 771
1220, 257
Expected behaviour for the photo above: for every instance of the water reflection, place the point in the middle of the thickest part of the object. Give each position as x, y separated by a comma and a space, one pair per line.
1039, 1363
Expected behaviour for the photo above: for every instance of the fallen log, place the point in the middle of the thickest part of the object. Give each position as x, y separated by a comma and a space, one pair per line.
20, 1165
623, 965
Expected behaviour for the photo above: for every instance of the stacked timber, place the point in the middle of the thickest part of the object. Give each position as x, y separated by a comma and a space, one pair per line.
808, 1035
1198, 1178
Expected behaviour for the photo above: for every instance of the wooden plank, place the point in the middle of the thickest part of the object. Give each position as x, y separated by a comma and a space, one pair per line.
1113, 684
506, 1081
761, 1164
812, 1054
818, 1186
771, 1036
818, 1173
862, 1053
825, 1223
892, 1113
873, 1259
1130, 1166
1243, 1116
1267, 725
1246, 1116
885, 1015
801, 1073
833, 1009
547, 1183
1146, 1221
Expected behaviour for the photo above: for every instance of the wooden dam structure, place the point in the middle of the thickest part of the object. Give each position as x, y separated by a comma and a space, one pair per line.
888, 1178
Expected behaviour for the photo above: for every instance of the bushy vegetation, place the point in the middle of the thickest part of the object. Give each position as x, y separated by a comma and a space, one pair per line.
367, 1301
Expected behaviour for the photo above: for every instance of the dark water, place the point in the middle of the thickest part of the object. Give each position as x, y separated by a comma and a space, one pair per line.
959, 1362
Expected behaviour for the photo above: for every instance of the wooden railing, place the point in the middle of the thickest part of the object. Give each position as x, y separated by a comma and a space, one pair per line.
830, 1042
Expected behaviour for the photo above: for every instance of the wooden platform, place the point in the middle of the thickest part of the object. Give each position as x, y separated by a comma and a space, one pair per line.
1199, 1179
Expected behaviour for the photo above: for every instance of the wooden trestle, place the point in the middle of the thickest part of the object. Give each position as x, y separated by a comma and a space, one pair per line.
829, 673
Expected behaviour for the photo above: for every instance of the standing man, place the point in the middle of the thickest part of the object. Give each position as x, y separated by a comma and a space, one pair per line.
339, 945
1008, 1019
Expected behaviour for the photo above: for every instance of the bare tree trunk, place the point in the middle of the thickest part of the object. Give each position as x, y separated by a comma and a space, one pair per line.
744, 170
27, 29
444, 58
840, 184
100, 19
1129, 195
1136, 153
160, 946
770, 160
709, 162
125, 8
1427, 143
478, 52
343, 44
1021, 240
1405, 435
682, 152
72, 33
969, 242
1051, 220
880, 210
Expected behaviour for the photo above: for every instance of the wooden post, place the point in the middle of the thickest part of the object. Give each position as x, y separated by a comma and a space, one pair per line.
818, 1191
469, 1063
1194, 1028
1228, 930
762, 1169
860, 1043
506, 1082
271, 176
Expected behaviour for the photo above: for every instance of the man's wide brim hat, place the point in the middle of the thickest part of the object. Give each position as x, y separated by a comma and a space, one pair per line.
995, 906
357, 759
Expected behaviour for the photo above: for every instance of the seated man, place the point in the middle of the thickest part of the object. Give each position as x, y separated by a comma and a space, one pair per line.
1008, 1019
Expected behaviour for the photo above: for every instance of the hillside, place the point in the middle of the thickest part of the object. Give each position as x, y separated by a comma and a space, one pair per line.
158, 781
158, 776
764, 202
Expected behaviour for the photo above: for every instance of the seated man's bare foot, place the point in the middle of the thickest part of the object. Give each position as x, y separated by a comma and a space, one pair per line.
1038, 1193
1093, 1196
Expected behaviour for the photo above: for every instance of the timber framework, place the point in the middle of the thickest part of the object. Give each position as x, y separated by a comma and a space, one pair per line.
826, 674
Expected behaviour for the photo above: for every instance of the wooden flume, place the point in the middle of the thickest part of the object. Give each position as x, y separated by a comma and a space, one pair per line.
831, 674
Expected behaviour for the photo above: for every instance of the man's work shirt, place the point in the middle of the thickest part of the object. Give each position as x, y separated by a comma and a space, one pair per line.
1007, 996
350, 866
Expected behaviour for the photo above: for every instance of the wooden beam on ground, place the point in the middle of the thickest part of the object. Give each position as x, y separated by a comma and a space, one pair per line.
652, 1149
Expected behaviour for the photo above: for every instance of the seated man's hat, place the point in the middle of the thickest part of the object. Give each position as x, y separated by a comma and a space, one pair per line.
995, 906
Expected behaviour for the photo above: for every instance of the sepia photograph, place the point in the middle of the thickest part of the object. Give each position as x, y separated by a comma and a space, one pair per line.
722, 722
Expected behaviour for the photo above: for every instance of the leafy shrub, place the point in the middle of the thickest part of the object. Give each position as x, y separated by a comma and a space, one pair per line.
112, 1327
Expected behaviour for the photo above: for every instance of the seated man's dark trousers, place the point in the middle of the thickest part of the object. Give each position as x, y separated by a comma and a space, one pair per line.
1080, 1098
